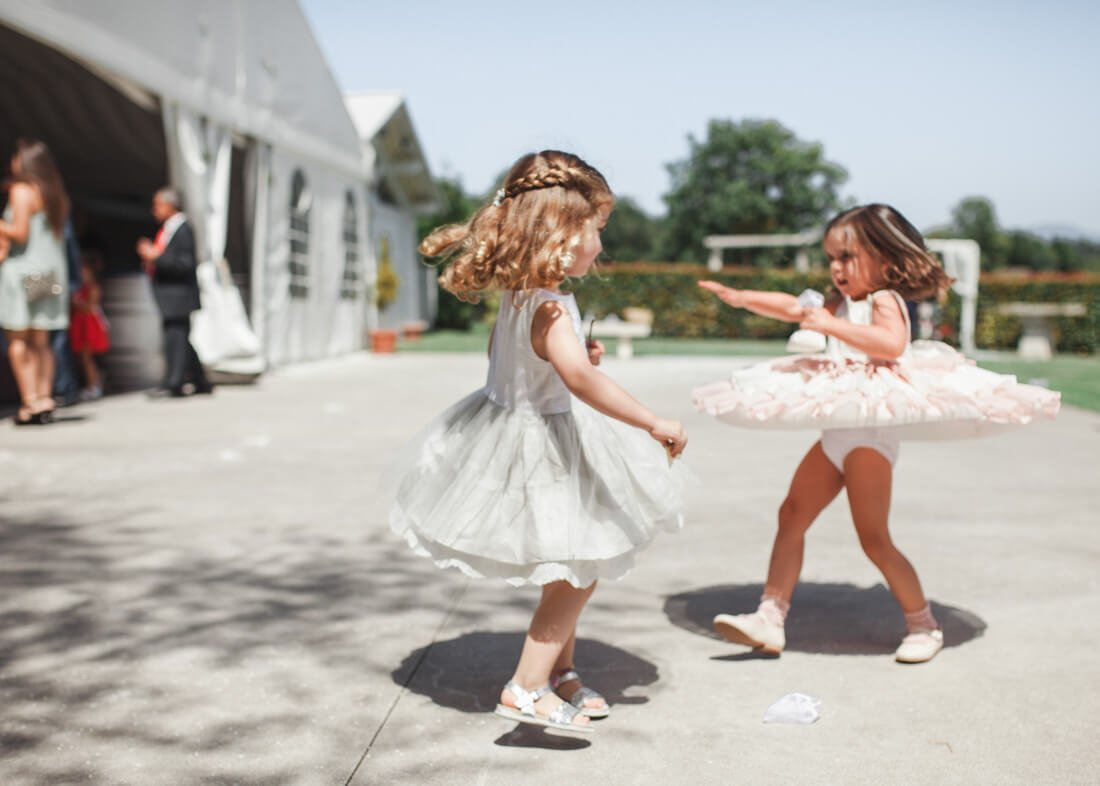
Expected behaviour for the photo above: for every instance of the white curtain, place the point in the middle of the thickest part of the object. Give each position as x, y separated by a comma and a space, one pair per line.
200, 155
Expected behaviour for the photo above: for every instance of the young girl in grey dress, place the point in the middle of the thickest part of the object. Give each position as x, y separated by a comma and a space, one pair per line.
537, 478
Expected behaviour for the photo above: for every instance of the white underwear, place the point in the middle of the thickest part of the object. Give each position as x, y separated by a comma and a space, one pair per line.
839, 442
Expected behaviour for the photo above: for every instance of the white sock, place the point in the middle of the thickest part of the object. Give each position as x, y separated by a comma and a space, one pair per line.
921, 621
773, 608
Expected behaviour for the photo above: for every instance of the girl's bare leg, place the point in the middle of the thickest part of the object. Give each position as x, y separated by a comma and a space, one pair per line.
815, 484
91, 371
552, 627
565, 661
869, 477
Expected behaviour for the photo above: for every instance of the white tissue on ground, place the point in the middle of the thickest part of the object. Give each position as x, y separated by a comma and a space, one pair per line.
794, 708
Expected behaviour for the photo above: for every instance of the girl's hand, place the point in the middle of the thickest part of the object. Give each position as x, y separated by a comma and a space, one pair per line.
671, 435
5, 247
726, 294
819, 319
595, 351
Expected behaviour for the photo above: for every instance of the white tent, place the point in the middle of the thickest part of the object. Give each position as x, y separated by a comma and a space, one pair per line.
232, 102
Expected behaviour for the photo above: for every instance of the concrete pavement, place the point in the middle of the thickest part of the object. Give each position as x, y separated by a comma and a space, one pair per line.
205, 592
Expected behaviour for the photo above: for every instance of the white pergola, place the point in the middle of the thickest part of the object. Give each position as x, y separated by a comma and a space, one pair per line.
962, 259
800, 241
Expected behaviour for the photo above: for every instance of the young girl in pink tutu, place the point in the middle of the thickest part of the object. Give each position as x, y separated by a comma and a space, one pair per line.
526, 480
866, 392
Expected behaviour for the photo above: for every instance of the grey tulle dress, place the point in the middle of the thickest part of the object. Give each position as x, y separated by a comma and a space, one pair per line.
523, 482
42, 253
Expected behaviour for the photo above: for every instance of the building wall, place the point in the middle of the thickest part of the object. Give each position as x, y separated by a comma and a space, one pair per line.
397, 225
308, 312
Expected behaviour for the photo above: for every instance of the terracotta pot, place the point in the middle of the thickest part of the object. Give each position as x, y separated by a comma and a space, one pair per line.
383, 340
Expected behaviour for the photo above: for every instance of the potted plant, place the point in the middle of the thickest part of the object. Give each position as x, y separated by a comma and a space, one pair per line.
385, 292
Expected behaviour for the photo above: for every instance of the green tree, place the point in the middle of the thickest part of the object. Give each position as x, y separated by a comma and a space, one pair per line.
753, 176
631, 234
1076, 253
975, 218
1025, 249
455, 206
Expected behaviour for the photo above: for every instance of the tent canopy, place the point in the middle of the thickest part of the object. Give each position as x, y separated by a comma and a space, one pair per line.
104, 142
245, 65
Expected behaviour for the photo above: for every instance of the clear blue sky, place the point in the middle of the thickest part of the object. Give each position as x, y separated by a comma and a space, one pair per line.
923, 103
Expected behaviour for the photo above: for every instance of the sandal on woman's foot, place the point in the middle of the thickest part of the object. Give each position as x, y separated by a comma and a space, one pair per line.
582, 695
561, 717
24, 417
42, 411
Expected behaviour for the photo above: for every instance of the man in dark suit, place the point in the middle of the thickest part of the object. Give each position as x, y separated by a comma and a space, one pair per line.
171, 263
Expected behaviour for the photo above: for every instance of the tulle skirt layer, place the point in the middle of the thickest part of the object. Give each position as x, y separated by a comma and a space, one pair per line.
932, 392
532, 498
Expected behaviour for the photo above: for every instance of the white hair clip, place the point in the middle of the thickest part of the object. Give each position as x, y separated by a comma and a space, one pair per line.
498, 198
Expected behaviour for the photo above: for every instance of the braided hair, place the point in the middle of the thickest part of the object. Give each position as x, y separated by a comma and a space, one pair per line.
524, 239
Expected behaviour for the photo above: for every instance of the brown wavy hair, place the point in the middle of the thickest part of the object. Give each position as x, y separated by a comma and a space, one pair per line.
911, 269
37, 168
524, 238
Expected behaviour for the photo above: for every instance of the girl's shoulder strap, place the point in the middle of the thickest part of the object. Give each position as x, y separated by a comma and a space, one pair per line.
900, 301
552, 294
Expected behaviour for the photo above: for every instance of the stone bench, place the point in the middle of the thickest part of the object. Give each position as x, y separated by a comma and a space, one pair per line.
624, 332
1037, 319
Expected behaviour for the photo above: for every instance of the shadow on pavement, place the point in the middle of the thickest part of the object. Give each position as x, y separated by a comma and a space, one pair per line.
524, 735
468, 672
837, 619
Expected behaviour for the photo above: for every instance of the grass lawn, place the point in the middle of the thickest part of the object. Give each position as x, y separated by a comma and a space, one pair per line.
1076, 377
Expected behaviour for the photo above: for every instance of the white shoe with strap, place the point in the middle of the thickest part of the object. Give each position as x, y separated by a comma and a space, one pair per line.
753, 630
919, 647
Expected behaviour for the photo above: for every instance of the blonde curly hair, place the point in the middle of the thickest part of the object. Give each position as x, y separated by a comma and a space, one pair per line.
911, 269
523, 239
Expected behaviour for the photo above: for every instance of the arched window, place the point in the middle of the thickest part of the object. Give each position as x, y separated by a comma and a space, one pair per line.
350, 285
300, 203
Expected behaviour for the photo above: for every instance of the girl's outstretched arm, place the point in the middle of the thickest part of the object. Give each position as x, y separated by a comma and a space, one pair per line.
553, 339
885, 338
777, 305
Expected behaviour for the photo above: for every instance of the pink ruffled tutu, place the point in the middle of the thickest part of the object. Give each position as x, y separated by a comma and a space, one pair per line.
931, 392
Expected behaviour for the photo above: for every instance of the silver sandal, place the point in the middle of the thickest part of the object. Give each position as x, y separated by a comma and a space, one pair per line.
524, 712
583, 694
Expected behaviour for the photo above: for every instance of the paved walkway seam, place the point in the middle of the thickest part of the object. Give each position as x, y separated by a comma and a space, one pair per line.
405, 685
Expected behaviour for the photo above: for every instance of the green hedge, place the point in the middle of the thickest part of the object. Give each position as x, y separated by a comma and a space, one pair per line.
682, 309
1079, 335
